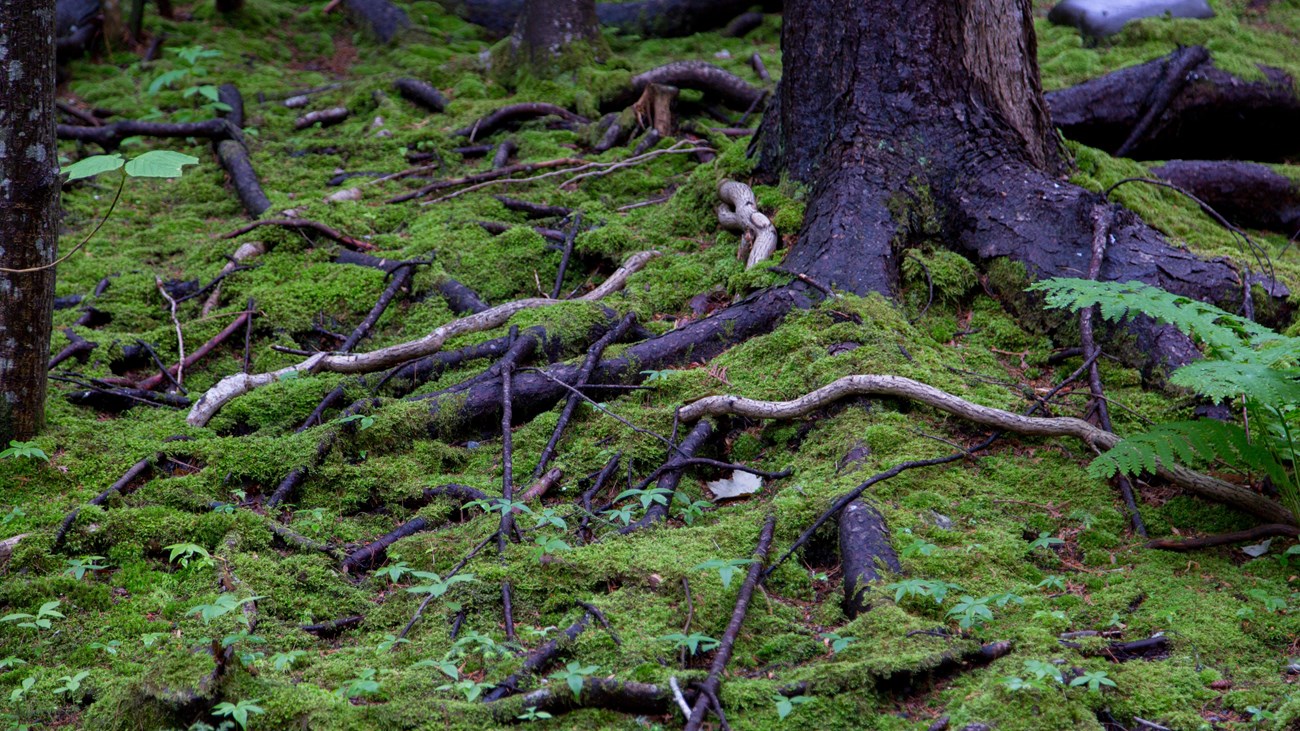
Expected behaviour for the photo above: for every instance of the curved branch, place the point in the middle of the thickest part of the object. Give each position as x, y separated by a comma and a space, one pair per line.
232, 387
897, 386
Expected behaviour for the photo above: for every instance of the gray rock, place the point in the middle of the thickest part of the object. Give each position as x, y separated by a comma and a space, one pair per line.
1100, 18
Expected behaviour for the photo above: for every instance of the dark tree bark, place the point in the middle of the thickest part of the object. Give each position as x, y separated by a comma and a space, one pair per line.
1247, 194
29, 197
924, 122
551, 36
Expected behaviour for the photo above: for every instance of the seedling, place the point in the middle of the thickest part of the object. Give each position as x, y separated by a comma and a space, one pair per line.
838, 642
574, 674
1094, 679
40, 620
238, 711
532, 714
726, 568
1045, 541
222, 605
695, 642
437, 585
363, 684
971, 612
183, 553
282, 661
72, 683
77, 567
21, 450
548, 544
786, 705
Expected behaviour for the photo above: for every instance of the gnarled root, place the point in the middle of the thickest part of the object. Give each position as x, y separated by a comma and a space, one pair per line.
739, 212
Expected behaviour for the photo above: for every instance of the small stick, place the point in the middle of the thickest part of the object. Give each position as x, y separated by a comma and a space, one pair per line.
420, 611
677, 695
568, 252
248, 337
154, 381
606, 472
584, 373
711, 684
759, 68
507, 484
1259, 532
180, 339
300, 224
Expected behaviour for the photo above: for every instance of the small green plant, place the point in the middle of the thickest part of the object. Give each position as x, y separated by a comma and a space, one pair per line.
1052, 583
785, 705
1244, 363
547, 545
444, 666
937, 590
469, 688
71, 683
1259, 715
363, 684
622, 515
12, 661
551, 518
1044, 541
1094, 679
183, 553
391, 641
283, 661
574, 674
532, 714
691, 509
838, 642
15, 513
222, 605
366, 421
111, 647
919, 547
971, 612
40, 620
696, 642
726, 568
437, 585
1272, 604
394, 572
78, 567
238, 712
149, 639
647, 497
191, 56
24, 450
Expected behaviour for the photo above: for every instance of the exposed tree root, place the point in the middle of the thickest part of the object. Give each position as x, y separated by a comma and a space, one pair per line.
731, 89
157, 380
641, 699
739, 212
537, 660
869, 385
234, 158
1211, 114
460, 298
533, 210
78, 347
232, 387
672, 475
514, 114
1245, 193
713, 683
128, 481
109, 136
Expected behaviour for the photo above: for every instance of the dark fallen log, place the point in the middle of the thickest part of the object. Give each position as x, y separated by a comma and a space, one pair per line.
496, 228
302, 224
472, 151
381, 17
476, 408
1258, 533
334, 627
234, 158
648, 18
400, 279
533, 210
640, 699
515, 114
323, 117
712, 685
1151, 648
909, 682
742, 25
504, 152
78, 347
732, 90
864, 542
460, 298
376, 552
121, 398
421, 93
229, 95
109, 136
1247, 194
1211, 114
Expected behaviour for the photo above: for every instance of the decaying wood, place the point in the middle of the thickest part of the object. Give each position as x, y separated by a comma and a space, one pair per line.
729, 88
1205, 486
515, 114
1211, 114
1248, 194
864, 548
109, 136
233, 386
655, 108
233, 156
739, 212
1258, 533
78, 347
323, 117
422, 93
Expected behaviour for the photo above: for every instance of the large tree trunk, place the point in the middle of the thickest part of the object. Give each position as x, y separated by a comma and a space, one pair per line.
923, 122
29, 193
551, 36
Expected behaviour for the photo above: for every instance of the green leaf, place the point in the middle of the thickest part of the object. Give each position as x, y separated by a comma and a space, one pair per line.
167, 78
93, 165
159, 164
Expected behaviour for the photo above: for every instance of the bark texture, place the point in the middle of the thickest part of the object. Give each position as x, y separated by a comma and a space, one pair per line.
29, 196
552, 36
924, 124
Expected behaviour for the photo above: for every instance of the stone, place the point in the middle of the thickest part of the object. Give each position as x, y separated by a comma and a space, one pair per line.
1101, 18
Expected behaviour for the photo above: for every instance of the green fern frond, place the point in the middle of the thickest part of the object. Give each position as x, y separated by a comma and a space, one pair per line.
1225, 334
1190, 443
1221, 379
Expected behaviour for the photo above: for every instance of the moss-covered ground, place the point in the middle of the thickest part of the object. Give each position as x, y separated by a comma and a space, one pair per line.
132, 646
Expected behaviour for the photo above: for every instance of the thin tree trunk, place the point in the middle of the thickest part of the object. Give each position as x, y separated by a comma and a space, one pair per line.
29, 194
551, 36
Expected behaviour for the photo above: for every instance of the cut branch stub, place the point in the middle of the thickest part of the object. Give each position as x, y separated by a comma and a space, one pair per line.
739, 212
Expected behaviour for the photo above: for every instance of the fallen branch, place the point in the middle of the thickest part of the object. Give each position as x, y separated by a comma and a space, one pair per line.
1258, 533
175, 371
78, 347
139, 470
236, 385
712, 684
234, 158
333, 627
302, 224
672, 475
422, 94
538, 660
872, 385
731, 89
607, 693
109, 136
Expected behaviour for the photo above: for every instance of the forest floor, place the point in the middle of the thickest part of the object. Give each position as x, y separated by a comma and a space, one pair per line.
149, 586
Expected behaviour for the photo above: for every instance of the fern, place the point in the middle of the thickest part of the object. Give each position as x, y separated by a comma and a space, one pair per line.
1244, 361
